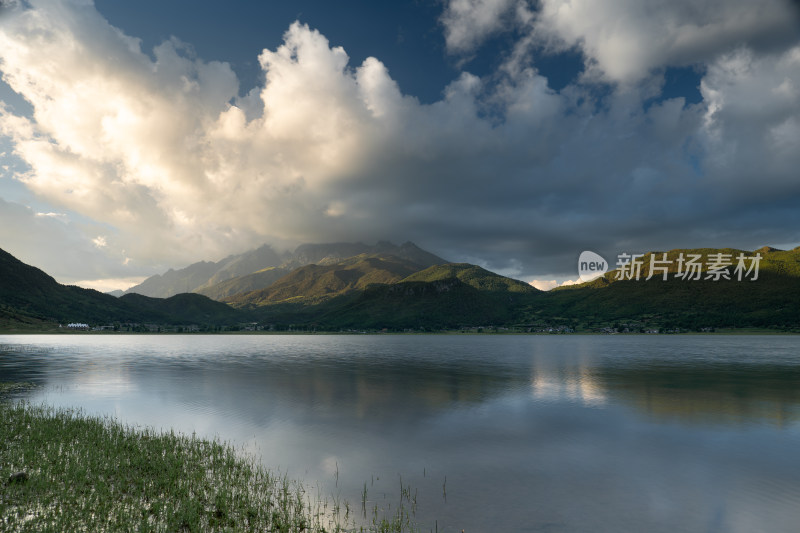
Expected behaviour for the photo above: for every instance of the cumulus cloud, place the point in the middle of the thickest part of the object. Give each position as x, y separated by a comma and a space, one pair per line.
624, 40
468, 23
157, 149
752, 122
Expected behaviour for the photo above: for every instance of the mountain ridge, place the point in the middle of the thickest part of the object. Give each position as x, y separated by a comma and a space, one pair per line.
377, 291
205, 277
315, 283
28, 293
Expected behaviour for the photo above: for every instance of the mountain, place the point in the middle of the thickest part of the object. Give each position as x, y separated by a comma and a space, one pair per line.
205, 274
444, 296
314, 283
375, 290
184, 308
174, 282
24, 291
251, 282
321, 254
242, 265
474, 276
455, 295
28, 294
216, 279
445, 303
769, 300
388, 292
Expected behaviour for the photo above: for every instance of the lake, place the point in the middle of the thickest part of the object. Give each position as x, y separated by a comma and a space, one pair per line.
494, 433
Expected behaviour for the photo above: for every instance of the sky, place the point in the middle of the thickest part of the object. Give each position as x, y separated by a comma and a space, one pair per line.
513, 134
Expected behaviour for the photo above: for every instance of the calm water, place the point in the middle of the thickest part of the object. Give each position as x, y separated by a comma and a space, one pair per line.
496, 433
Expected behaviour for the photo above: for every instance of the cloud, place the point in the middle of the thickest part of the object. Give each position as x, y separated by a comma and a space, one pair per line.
114, 135
109, 285
58, 216
171, 166
624, 40
550, 284
467, 23
544, 285
58, 244
751, 123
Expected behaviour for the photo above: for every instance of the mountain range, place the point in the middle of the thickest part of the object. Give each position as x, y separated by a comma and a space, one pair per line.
384, 286
29, 297
259, 268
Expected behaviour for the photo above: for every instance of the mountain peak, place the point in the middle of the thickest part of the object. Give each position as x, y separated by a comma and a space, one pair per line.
207, 277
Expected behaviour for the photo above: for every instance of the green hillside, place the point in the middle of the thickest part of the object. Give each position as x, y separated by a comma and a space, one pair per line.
442, 303
332, 253
186, 308
207, 277
376, 291
442, 296
313, 284
29, 296
772, 261
251, 282
770, 300
472, 275
14, 320
26, 291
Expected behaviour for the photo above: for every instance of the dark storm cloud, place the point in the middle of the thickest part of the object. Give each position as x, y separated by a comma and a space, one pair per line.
503, 171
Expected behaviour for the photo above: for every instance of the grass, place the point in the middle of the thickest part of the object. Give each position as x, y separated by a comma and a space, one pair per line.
14, 387
86, 473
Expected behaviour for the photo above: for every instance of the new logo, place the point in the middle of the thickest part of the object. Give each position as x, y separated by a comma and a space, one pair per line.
591, 266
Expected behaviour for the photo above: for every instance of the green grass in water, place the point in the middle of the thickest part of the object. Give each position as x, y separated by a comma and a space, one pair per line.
8, 388
94, 474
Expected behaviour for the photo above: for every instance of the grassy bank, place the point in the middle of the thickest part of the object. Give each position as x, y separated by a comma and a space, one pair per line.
85, 473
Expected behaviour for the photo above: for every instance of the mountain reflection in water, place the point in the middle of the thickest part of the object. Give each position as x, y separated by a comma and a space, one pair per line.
532, 433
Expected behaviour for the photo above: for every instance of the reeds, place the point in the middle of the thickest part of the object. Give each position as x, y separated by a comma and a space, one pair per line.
85, 473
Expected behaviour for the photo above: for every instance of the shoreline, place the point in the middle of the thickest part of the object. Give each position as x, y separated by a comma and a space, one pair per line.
717, 332
63, 470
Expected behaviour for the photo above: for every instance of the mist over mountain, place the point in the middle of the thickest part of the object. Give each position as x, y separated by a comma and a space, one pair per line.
315, 283
250, 282
207, 277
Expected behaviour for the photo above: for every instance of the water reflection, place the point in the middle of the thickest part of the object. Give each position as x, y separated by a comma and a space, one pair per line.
564, 382
719, 393
350, 379
532, 433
